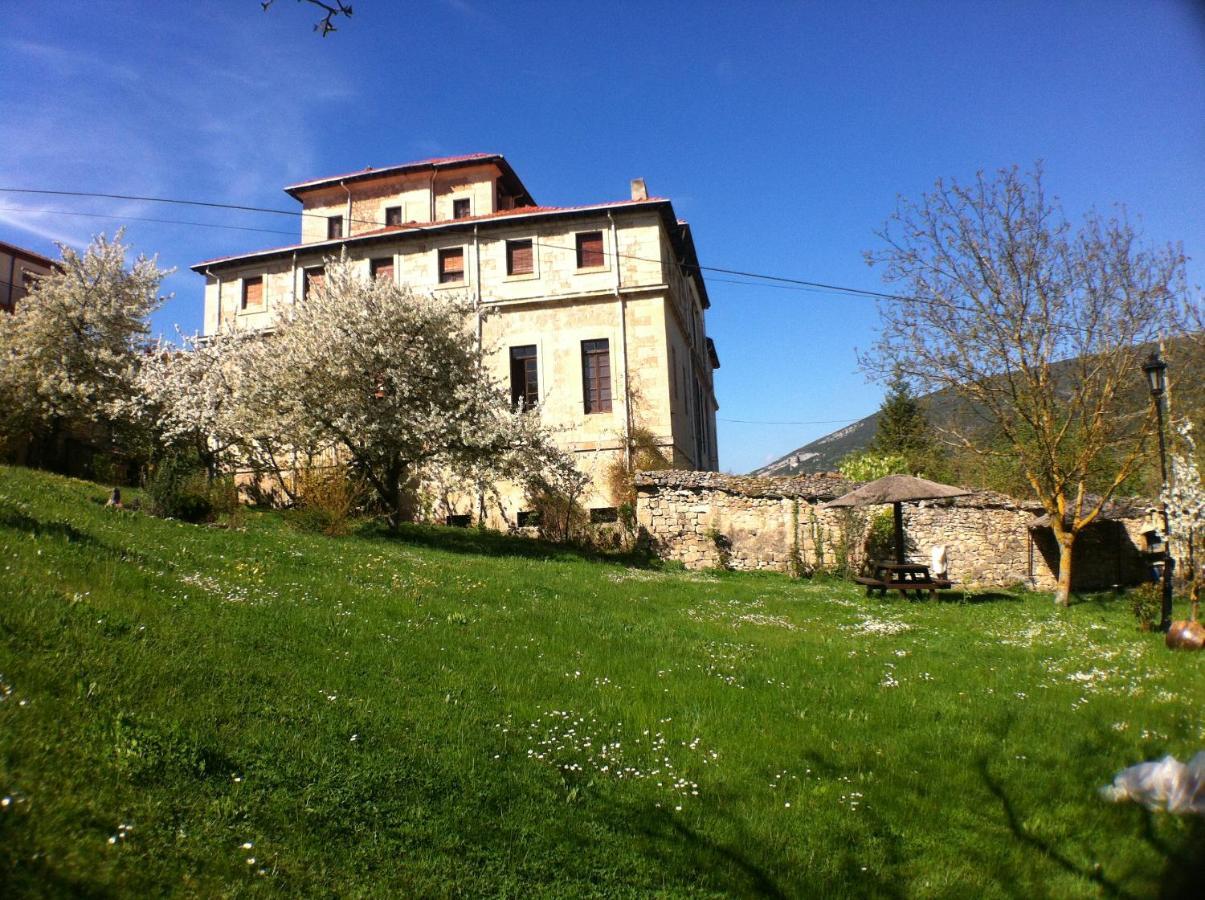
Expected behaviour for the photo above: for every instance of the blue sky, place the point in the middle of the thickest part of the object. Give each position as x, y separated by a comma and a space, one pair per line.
782, 131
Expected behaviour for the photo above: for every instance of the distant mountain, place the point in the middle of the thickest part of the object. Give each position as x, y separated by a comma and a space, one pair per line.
823, 454
942, 407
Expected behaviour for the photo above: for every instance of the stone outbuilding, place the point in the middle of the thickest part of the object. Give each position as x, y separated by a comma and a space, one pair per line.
712, 520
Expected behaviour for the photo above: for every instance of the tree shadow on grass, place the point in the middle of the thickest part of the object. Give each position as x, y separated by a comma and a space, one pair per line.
1046, 850
17, 520
742, 863
973, 598
486, 542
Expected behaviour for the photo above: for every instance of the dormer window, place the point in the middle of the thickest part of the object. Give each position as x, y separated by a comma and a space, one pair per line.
461, 208
334, 228
393, 215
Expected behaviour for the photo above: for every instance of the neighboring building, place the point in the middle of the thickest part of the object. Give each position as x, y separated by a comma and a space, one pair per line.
18, 270
598, 310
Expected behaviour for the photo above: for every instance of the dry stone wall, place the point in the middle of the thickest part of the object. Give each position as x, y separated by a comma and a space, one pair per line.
710, 520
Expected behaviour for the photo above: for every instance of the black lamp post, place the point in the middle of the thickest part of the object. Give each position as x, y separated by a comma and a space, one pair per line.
1156, 372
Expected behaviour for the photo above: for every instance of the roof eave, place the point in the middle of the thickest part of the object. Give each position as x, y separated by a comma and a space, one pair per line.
297, 190
452, 225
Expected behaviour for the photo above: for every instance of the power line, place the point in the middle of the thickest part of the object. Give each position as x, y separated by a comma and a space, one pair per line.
812, 422
69, 212
760, 276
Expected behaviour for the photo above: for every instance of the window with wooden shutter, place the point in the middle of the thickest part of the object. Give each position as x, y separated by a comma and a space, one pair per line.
520, 259
253, 292
596, 376
524, 376
590, 250
451, 265
334, 227
315, 281
382, 268
393, 215
461, 209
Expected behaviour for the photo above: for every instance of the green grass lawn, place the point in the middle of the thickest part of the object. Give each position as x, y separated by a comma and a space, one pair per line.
207, 711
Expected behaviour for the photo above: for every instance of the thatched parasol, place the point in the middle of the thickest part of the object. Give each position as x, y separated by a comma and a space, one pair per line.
897, 489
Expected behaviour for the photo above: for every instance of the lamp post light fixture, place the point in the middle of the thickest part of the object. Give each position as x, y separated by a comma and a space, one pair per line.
1156, 377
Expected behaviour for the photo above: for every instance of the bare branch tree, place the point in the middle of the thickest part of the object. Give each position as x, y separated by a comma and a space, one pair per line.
1000, 290
331, 11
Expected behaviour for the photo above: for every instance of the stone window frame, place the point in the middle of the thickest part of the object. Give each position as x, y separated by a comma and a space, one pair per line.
245, 282
440, 282
609, 406
534, 274
606, 252
381, 261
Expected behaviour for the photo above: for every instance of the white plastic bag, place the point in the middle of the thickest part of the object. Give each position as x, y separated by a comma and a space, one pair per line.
1167, 784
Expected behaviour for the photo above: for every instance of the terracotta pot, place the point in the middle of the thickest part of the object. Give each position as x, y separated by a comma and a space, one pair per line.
1186, 636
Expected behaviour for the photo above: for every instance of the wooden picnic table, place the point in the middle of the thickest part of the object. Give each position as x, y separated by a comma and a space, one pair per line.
903, 577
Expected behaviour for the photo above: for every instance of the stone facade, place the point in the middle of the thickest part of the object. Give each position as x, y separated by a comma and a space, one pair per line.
643, 294
709, 520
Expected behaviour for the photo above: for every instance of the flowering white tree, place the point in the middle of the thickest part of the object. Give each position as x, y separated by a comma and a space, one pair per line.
72, 348
390, 380
1184, 498
200, 396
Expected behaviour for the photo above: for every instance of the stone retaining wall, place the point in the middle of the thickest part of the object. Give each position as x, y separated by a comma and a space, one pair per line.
709, 520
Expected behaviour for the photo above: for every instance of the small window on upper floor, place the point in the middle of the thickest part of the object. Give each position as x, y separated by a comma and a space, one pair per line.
334, 227
590, 250
451, 265
253, 292
519, 258
315, 282
382, 268
461, 208
393, 215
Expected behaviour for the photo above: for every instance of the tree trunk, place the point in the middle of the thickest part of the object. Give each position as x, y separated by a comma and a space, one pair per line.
1066, 539
393, 483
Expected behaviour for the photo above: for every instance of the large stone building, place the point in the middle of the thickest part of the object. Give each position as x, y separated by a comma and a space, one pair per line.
18, 270
598, 311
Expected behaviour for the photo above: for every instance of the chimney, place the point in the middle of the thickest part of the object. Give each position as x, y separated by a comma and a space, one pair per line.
639, 191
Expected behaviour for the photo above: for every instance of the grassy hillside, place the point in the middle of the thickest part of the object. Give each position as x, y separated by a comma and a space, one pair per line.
205, 711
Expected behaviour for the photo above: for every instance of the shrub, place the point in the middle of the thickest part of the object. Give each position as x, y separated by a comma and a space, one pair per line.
880, 537
177, 487
1146, 602
328, 498
225, 500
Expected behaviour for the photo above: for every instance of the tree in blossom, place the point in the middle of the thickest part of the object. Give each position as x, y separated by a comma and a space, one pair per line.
390, 380
72, 350
1184, 497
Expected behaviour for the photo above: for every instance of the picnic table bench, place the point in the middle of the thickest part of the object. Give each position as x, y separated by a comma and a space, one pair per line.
902, 577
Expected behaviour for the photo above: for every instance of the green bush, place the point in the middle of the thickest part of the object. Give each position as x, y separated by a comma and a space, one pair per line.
1146, 602
177, 487
328, 499
880, 539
